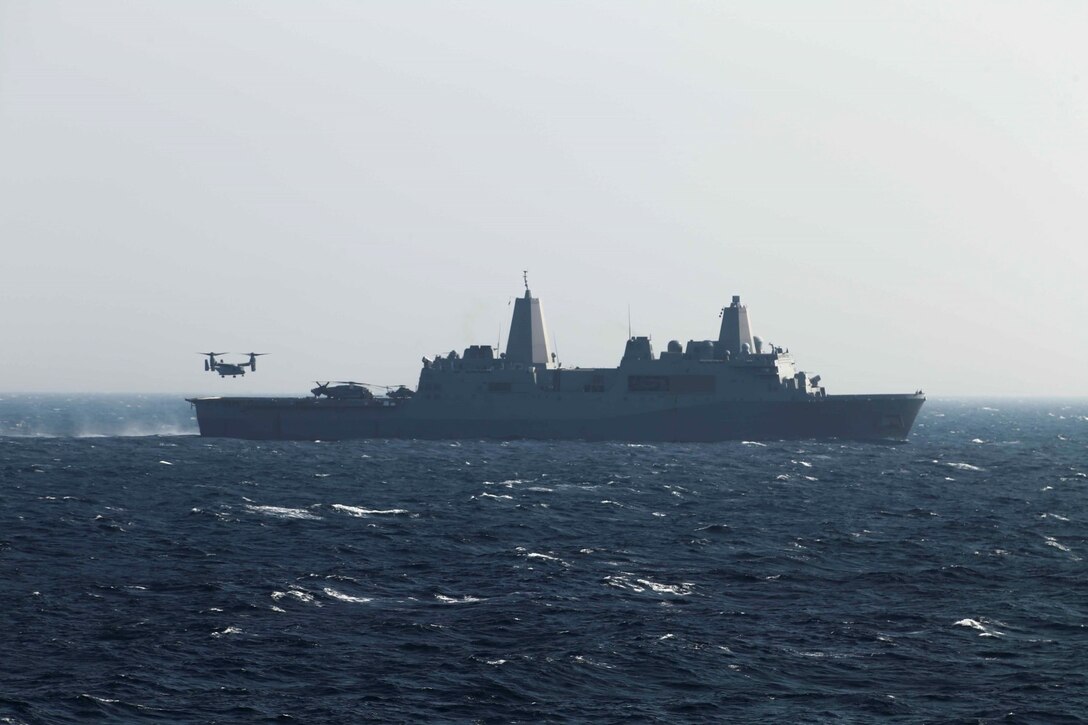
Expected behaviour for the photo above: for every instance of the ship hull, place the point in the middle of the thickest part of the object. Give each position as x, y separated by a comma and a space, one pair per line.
856, 417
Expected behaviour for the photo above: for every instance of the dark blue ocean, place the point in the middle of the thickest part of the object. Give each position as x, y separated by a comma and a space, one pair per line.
147, 574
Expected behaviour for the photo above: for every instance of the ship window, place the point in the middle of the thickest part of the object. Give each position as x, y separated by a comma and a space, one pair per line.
595, 384
681, 384
648, 383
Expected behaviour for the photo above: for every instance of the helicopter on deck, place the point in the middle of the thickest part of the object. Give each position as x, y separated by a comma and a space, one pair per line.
342, 390
226, 369
349, 389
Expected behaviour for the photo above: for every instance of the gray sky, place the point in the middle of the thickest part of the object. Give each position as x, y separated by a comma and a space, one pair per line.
897, 190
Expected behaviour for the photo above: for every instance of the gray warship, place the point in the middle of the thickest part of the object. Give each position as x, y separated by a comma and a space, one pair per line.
733, 388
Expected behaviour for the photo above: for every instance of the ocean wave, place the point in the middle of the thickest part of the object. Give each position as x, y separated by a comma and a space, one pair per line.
359, 511
744, 591
963, 466
983, 630
458, 600
341, 597
637, 584
282, 512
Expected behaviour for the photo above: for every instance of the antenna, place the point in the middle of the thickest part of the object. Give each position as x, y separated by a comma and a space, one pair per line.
628, 320
525, 278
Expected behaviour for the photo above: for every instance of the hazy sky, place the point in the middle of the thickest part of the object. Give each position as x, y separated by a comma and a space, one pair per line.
899, 191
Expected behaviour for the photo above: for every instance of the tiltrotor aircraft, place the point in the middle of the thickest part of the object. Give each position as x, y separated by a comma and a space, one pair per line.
226, 369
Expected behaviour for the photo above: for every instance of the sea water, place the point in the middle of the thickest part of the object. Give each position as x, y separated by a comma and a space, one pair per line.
148, 574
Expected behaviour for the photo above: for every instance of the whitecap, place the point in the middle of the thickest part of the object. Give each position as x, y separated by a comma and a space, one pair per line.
626, 580
453, 600
583, 660
340, 596
228, 630
281, 512
680, 590
299, 594
1054, 516
972, 623
166, 463
977, 440
544, 557
963, 467
501, 496
983, 630
1051, 541
359, 511
623, 581
753, 443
